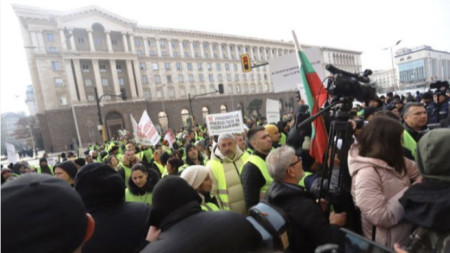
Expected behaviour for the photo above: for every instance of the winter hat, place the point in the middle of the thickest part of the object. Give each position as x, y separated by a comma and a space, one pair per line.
41, 213
272, 129
43, 159
195, 175
80, 161
432, 154
99, 185
171, 193
69, 167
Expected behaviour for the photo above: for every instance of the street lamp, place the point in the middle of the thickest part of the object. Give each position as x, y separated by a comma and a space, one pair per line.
392, 61
191, 115
101, 127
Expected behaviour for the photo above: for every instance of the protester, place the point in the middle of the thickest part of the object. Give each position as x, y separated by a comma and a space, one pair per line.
43, 167
415, 117
427, 205
173, 165
199, 178
255, 177
141, 184
6, 175
66, 171
226, 160
41, 213
124, 168
181, 226
380, 175
309, 227
120, 226
274, 134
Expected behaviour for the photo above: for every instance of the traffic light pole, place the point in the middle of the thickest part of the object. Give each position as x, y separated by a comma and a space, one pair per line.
191, 112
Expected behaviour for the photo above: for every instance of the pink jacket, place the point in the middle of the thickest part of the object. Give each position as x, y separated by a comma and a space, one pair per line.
376, 188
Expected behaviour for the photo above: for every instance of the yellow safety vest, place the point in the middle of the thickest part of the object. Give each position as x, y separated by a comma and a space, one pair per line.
409, 143
217, 170
127, 171
262, 166
282, 139
160, 167
130, 197
39, 171
208, 206
244, 157
305, 175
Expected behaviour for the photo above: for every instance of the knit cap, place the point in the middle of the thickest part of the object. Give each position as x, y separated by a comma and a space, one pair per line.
69, 167
195, 175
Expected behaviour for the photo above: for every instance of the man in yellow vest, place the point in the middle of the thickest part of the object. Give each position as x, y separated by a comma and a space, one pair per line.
255, 177
128, 160
226, 160
274, 134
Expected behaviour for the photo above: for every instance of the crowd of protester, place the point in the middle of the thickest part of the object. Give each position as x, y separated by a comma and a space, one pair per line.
193, 195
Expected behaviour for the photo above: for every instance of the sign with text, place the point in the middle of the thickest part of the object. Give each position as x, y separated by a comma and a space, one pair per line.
147, 131
272, 111
220, 123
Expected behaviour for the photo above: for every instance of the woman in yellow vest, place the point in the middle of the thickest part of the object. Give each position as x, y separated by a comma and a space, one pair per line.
141, 184
199, 178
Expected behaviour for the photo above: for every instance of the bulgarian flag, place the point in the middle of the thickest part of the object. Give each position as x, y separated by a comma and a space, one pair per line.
316, 95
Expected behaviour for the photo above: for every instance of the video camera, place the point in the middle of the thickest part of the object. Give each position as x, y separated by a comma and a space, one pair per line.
346, 84
440, 86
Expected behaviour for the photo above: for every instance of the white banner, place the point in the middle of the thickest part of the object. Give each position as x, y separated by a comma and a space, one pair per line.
220, 123
52, 160
134, 126
147, 131
170, 138
272, 111
11, 152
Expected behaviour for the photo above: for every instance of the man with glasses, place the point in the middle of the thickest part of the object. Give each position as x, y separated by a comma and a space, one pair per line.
309, 227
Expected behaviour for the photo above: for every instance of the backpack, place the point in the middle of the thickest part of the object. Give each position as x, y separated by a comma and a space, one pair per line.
272, 224
425, 240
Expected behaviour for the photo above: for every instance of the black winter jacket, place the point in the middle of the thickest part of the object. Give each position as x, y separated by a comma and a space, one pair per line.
308, 225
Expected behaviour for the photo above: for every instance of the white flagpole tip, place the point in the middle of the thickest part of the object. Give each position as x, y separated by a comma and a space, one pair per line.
297, 45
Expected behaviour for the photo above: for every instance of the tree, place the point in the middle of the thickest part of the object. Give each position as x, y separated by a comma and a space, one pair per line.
255, 105
28, 128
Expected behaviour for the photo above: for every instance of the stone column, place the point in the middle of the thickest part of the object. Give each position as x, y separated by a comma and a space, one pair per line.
115, 78
80, 80
98, 79
91, 41
133, 48
108, 41
125, 42
131, 79
146, 51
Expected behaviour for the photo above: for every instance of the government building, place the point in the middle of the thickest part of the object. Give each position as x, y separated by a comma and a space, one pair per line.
80, 57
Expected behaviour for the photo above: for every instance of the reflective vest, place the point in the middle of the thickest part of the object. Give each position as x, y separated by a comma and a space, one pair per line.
244, 157
305, 175
282, 139
130, 197
409, 143
148, 154
262, 166
127, 171
217, 170
160, 168
209, 206
39, 171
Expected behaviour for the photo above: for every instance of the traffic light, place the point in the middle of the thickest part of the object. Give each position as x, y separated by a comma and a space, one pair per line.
123, 94
245, 62
220, 88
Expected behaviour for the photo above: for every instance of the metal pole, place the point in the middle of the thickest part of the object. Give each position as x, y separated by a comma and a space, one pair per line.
190, 111
73, 107
393, 70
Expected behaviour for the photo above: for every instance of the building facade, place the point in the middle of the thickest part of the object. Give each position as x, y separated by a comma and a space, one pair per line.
384, 80
420, 66
76, 53
30, 100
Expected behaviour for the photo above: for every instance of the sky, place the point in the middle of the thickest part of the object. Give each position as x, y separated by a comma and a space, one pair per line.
361, 25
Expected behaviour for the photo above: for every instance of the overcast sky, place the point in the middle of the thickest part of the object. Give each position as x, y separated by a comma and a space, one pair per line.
366, 26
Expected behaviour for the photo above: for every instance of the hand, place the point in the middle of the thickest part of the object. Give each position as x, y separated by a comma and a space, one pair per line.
153, 234
323, 204
338, 219
398, 249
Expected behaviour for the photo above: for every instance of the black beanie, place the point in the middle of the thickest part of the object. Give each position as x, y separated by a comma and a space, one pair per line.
41, 213
43, 159
169, 194
100, 186
69, 167
80, 161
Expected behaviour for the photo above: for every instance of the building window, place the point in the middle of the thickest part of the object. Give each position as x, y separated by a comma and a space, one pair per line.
98, 41
199, 66
219, 76
200, 77
178, 65
59, 82
87, 82
80, 40
211, 77
121, 82
171, 92
85, 67
56, 66
169, 79
167, 65
159, 93
176, 54
144, 79
244, 77
152, 53
195, 45
155, 66
216, 56
218, 66
205, 55
105, 82
52, 50
91, 98
137, 42
182, 91
189, 66
165, 53
163, 43
142, 66
236, 77
147, 94
62, 100
50, 36
157, 79
180, 78
227, 66
235, 67
197, 55
185, 44
191, 78
209, 66
228, 77
119, 68
139, 52
102, 67
114, 42
186, 54
173, 43
202, 89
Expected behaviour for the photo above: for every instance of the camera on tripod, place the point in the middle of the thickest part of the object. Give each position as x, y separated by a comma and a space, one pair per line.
440, 86
346, 84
